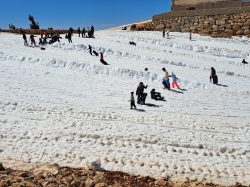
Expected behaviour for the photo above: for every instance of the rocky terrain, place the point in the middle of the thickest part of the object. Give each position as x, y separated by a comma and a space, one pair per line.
56, 176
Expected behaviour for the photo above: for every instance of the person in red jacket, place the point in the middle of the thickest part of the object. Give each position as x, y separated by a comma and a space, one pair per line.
101, 59
32, 39
101, 56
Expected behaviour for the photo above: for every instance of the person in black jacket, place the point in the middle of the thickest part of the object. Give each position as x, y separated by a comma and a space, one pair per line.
79, 31
69, 37
25, 39
90, 50
71, 30
212, 73
141, 97
244, 62
156, 95
83, 32
92, 30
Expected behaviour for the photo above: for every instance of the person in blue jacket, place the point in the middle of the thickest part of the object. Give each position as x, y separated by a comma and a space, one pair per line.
174, 81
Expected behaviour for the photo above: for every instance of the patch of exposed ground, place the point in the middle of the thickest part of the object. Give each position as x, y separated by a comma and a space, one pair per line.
45, 175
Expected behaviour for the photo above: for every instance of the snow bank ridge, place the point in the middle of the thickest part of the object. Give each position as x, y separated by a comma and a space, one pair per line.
111, 52
198, 48
88, 68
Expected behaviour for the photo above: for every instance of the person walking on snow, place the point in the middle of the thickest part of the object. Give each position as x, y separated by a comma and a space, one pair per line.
132, 101
165, 80
92, 29
57, 36
90, 50
41, 33
25, 39
79, 31
69, 37
212, 73
83, 32
167, 34
71, 30
174, 81
163, 33
32, 40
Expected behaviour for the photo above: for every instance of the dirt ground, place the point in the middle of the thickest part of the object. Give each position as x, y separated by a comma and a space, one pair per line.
45, 175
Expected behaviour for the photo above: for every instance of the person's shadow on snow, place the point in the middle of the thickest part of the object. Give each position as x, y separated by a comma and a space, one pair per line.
176, 91
140, 110
151, 105
222, 85
104, 62
182, 89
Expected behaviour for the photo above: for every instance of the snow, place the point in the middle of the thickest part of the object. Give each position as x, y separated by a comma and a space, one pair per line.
61, 105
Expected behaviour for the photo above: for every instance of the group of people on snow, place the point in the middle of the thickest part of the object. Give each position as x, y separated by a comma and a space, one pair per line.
31, 39
163, 33
141, 95
96, 54
166, 82
56, 36
86, 32
42, 41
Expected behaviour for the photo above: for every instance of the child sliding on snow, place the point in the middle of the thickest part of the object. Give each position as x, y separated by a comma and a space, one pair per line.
132, 101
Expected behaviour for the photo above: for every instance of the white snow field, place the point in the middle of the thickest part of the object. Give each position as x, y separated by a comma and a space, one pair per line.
61, 105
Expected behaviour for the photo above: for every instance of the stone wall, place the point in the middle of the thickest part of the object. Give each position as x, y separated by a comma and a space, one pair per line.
211, 5
202, 12
216, 26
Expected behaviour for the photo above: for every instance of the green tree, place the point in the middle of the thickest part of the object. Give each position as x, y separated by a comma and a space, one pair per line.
33, 25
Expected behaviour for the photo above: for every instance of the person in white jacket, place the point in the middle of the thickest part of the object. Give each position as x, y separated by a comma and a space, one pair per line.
165, 80
132, 101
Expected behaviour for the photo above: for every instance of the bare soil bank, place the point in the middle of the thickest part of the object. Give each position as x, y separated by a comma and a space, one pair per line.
45, 175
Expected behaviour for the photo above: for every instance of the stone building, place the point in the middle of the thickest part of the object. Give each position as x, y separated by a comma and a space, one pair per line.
217, 18
181, 5
189, 8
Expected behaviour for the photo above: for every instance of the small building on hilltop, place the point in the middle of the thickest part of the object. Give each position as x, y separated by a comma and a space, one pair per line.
189, 8
217, 18
180, 5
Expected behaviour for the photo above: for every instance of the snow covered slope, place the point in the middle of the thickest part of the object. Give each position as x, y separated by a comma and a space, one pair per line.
62, 105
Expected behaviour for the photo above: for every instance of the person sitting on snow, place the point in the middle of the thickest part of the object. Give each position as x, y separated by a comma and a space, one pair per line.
156, 95
244, 62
